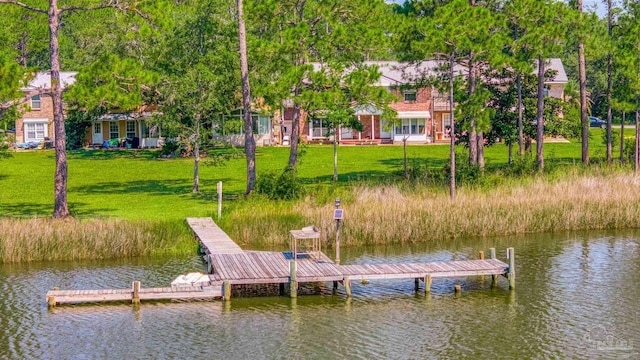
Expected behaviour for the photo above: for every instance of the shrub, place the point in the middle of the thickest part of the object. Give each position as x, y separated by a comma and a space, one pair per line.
283, 186
172, 147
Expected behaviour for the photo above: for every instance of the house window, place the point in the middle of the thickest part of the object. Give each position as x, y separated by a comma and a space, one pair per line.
35, 131
261, 125
36, 103
410, 96
446, 120
411, 127
319, 129
97, 128
131, 129
545, 92
114, 130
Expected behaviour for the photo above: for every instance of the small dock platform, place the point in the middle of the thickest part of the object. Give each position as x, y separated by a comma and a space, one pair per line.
55, 297
228, 265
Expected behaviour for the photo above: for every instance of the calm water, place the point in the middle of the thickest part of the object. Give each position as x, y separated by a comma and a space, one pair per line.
577, 297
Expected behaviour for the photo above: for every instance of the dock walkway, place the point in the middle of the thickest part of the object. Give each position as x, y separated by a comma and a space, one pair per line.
228, 265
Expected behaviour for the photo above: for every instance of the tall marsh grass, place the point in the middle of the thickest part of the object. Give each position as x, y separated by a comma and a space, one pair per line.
39, 239
399, 214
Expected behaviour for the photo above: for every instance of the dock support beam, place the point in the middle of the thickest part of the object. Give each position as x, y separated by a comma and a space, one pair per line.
347, 286
417, 284
293, 279
226, 290
427, 284
135, 292
457, 289
511, 275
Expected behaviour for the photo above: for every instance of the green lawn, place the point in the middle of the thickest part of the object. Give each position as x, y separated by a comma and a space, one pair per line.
137, 185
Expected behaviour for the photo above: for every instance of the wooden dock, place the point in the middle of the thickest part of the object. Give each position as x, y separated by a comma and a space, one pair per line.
228, 265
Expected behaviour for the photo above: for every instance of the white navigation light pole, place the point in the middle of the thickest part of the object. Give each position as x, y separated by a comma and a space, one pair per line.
338, 215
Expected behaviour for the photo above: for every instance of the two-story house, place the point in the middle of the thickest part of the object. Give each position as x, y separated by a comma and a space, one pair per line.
423, 114
36, 123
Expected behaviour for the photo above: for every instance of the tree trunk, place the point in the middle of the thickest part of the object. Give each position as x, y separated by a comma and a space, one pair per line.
452, 144
249, 141
335, 157
582, 75
196, 156
540, 116
295, 133
520, 115
404, 157
609, 84
473, 141
60, 207
480, 142
624, 113
23, 49
637, 153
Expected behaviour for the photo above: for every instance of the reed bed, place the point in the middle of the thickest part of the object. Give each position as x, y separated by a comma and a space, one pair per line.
40, 239
393, 214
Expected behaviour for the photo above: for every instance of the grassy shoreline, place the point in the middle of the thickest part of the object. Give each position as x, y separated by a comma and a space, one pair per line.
382, 214
46, 239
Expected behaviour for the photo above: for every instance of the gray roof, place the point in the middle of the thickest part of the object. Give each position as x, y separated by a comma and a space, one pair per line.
398, 73
554, 64
43, 80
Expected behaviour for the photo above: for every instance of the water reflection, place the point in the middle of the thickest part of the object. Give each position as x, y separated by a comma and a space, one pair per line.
576, 298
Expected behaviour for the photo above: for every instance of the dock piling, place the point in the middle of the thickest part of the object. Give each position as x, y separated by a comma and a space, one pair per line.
226, 290
135, 292
494, 278
417, 284
293, 279
347, 286
427, 284
511, 275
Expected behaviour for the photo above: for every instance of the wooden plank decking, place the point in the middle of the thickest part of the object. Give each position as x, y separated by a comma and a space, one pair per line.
212, 237
163, 293
255, 267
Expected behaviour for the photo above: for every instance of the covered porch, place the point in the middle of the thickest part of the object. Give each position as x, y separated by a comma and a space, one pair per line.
124, 131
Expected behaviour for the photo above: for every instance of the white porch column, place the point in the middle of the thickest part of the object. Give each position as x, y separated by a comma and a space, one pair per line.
359, 132
339, 133
373, 128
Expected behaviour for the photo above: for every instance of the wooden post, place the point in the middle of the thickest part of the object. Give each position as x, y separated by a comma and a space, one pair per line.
481, 257
51, 300
335, 287
494, 278
457, 288
219, 199
427, 284
281, 289
417, 284
226, 290
293, 279
207, 258
511, 255
347, 286
337, 242
135, 292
